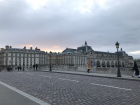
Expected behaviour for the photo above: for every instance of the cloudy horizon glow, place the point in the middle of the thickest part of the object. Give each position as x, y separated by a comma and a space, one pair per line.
53, 25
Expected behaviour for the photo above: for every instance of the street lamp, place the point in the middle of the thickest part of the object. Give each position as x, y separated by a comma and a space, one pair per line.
50, 61
118, 73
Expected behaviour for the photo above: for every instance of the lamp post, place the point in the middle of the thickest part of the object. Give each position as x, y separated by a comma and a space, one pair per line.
50, 61
118, 73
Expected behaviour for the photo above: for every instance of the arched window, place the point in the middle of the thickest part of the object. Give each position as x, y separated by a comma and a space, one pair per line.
116, 63
103, 63
98, 63
112, 64
120, 63
108, 64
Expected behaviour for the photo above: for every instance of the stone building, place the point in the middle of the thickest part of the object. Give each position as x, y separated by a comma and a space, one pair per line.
84, 54
69, 58
14, 57
100, 62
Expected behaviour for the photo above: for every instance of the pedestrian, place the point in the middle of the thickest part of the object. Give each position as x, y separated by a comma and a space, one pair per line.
18, 68
36, 66
136, 70
88, 68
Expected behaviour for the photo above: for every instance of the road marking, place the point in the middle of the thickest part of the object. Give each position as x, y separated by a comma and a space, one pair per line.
110, 86
25, 94
45, 76
68, 79
30, 74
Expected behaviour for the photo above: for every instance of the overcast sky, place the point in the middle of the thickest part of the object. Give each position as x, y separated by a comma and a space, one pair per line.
53, 25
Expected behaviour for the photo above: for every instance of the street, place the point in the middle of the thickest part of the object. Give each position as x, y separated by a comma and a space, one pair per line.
68, 89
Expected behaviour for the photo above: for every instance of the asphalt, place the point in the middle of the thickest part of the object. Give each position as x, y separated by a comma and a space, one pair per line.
123, 77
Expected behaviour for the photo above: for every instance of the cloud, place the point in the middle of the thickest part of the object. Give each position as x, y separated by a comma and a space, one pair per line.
36, 4
56, 46
70, 23
28, 45
135, 52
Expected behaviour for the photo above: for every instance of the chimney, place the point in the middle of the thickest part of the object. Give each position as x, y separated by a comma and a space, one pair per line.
6, 47
36, 48
30, 48
24, 47
10, 46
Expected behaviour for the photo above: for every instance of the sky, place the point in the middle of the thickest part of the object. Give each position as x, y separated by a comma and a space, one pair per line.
54, 25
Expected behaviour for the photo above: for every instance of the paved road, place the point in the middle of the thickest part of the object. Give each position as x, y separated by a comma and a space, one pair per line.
66, 89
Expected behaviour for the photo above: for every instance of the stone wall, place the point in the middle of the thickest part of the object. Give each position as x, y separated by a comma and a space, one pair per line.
110, 70
102, 70
94, 69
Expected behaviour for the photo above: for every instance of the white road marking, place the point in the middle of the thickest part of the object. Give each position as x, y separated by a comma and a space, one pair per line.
30, 74
40, 75
110, 86
25, 94
45, 76
68, 79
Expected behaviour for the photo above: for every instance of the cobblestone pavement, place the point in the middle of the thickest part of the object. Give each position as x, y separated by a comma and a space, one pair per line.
67, 89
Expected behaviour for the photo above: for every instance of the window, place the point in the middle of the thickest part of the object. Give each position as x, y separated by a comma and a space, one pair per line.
98, 63
15, 63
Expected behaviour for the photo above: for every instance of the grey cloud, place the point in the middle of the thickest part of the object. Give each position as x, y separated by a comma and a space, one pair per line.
61, 25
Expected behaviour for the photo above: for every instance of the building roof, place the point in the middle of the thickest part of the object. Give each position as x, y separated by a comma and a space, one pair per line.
69, 50
86, 49
20, 49
108, 53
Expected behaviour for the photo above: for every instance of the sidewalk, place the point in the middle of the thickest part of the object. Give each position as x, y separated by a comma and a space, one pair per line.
11, 96
124, 77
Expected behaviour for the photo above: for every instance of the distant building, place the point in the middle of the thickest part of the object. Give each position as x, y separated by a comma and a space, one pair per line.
98, 58
14, 57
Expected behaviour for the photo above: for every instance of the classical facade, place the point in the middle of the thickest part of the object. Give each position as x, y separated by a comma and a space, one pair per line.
14, 57
85, 54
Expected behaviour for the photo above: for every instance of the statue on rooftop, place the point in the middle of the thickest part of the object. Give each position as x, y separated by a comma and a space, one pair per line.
85, 43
